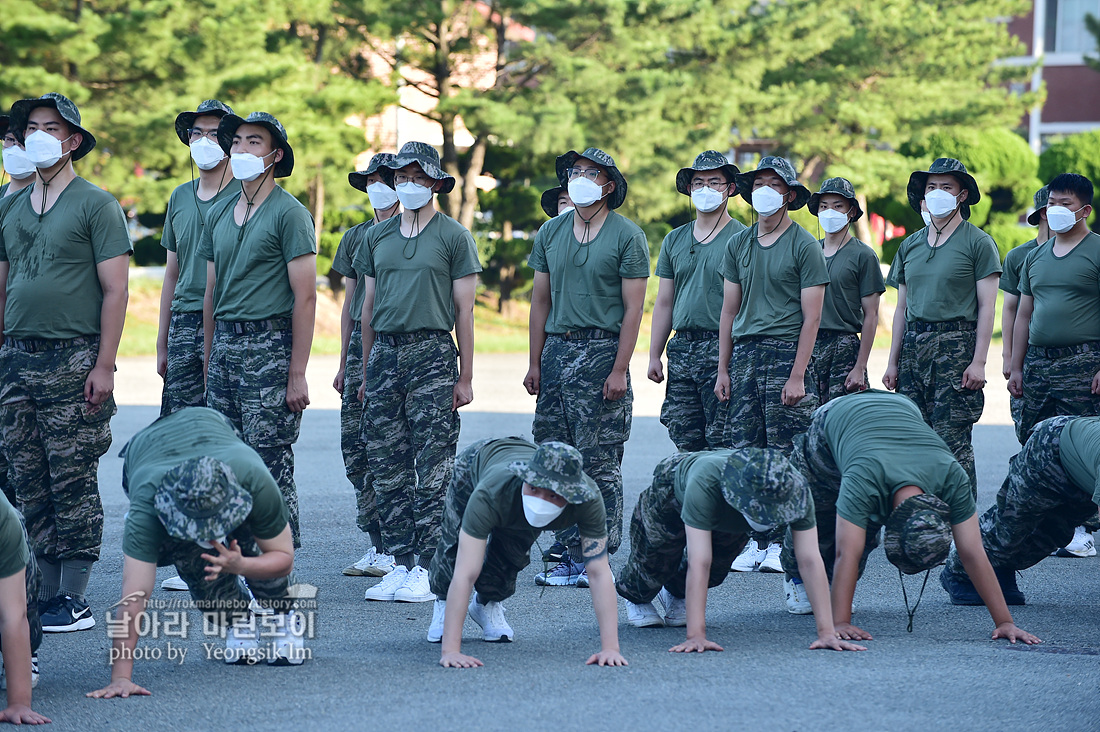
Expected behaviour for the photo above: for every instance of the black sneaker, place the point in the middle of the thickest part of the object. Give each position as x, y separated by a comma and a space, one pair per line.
1011, 592
64, 614
554, 553
959, 588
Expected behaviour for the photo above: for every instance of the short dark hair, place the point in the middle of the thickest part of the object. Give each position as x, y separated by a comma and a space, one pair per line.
1077, 185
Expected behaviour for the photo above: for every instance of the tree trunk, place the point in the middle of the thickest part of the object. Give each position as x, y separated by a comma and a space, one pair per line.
317, 196
469, 183
863, 226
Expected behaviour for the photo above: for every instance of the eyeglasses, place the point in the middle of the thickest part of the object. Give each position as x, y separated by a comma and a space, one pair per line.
590, 173
715, 183
420, 179
195, 133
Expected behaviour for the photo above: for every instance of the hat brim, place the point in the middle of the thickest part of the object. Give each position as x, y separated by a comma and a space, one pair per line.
227, 128
358, 179
573, 493
683, 177
21, 112
430, 169
565, 162
733, 476
549, 200
186, 120
745, 182
1033, 218
895, 526
206, 528
815, 203
914, 191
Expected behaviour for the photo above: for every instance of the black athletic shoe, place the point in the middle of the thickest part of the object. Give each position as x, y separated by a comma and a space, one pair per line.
959, 588
553, 554
64, 614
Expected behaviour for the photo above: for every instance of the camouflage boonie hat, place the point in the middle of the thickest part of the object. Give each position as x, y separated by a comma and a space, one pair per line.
918, 534
704, 161
764, 485
840, 187
785, 169
201, 500
1041, 197
550, 198
228, 127
943, 166
381, 163
599, 157
186, 120
557, 467
428, 158
21, 112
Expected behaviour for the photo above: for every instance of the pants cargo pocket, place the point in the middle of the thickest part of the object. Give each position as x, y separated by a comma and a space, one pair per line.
267, 420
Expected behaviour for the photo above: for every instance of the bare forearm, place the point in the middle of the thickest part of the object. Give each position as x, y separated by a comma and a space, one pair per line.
1020, 335
458, 597
628, 339
112, 318
981, 573
1008, 323
867, 337
897, 333
346, 322
17, 657
606, 605
696, 600
845, 574
660, 329
540, 310
167, 292
985, 333
464, 332
302, 319
269, 565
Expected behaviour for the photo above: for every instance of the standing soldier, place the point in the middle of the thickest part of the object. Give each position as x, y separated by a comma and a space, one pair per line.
689, 301
946, 276
261, 281
555, 201
586, 306
64, 256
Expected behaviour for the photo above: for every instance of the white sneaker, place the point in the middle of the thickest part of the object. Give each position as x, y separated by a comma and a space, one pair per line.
384, 590
643, 615
373, 564
770, 562
676, 615
797, 601
435, 630
285, 638
174, 583
1081, 545
415, 588
242, 641
749, 558
490, 617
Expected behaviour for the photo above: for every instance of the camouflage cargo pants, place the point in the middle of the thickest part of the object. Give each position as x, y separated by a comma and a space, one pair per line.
930, 370
1057, 382
507, 553
1037, 506
5, 484
658, 540
351, 436
835, 354
571, 409
53, 440
759, 368
31, 578
411, 434
247, 383
692, 413
183, 380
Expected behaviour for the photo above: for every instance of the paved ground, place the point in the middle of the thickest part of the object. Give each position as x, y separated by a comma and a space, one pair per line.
372, 666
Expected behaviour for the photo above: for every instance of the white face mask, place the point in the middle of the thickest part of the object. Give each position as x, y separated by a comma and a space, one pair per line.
247, 166
43, 149
707, 199
757, 527
1059, 218
206, 153
210, 544
766, 200
16, 162
940, 202
927, 218
413, 196
381, 196
831, 220
584, 192
568, 210
539, 511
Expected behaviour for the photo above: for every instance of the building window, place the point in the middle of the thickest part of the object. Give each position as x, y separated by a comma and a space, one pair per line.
1065, 26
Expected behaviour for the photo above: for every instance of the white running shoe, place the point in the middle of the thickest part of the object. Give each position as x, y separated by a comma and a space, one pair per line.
1081, 546
285, 639
415, 588
174, 583
490, 617
797, 601
770, 562
384, 590
749, 558
373, 564
642, 615
435, 630
242, 641
676, 615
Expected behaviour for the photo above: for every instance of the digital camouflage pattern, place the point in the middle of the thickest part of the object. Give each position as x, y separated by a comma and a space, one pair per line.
227, 128
186, 120
381, 163
834, 358
695, 419
918, 534
201, 500
705, 161
759, 368
21, 112
658, 541
914, 191
1041, 197
352, 444
785, 169
571, 409
411, 435
184, 381
428, 159
1055, 387
841, 187
557, 467
930, 370
598, 156
52, 440
763, 485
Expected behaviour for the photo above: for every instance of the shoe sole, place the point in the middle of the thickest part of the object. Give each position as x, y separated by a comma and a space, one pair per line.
742, 568
553, 582
676, 622
1067, 554
800, 610
769, 570
81, 624
284, 661
384, 598
648, 622
434, 639
415, 598
165, 586
354, 571
502, 638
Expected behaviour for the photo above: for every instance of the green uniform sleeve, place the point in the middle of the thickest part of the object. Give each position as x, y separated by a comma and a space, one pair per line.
464, 259
537, 260
269, 515
297, 236
987, 259
341, 263
731, 269
664, 260
870, 274
143, 534
591, 519
168, 236
634, 259
14, 552
896, 276
206, 241
107, 229
812, 269
481, 515
957, 495
364, 258
1024, 277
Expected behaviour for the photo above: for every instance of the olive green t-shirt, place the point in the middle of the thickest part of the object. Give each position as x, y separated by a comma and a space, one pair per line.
698, 489
14, 553
497, 498
343, 264
53, 286
1079, 448
586, 288
941, 282
1066, 291
853, 275
1014, 260
696, 272
414, 278
880, 443
183, 225
190, 433
252, 280
772, 279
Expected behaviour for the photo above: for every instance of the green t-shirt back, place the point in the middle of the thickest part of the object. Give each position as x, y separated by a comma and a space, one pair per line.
414, 278
343, 264
1014, 260
881, 443
192, 433
252, 280
14, 553
183, 225
1079, 448
772, 279
853, 274
1066, 291
586, 289
941, 282
53, 286
497, 498
696, 272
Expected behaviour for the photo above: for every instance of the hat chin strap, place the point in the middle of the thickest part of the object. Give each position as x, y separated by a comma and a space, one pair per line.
905, 598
